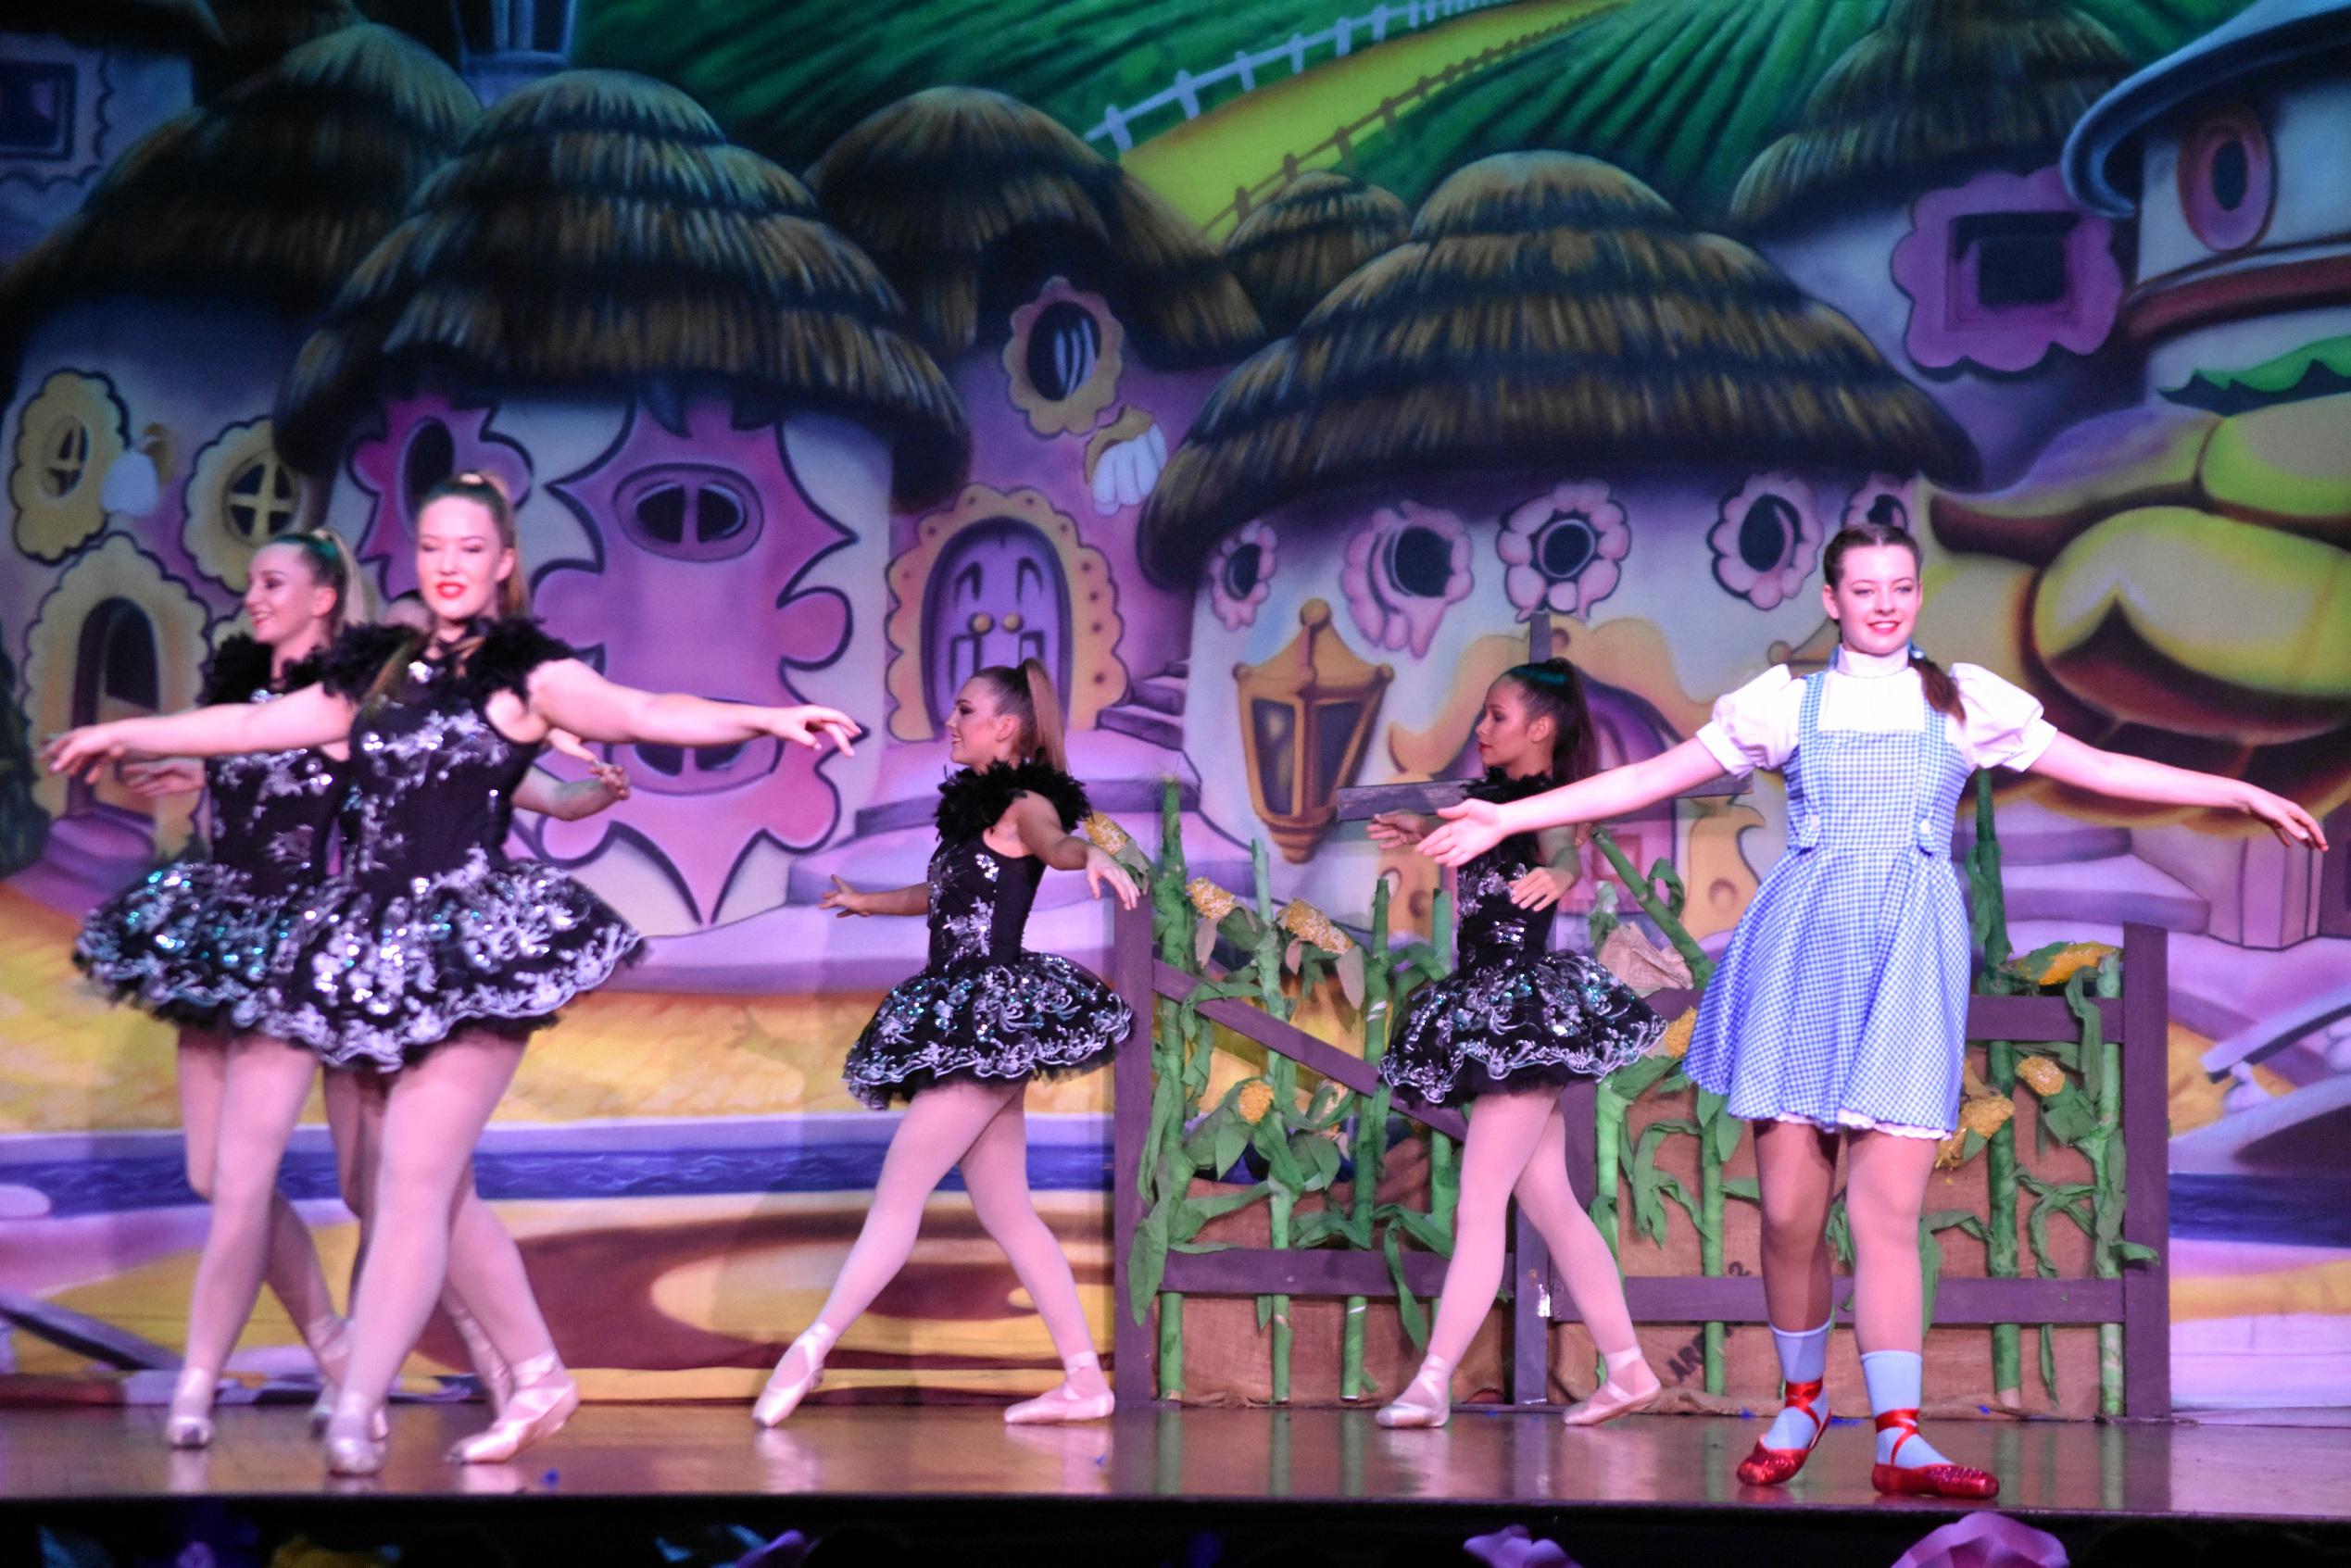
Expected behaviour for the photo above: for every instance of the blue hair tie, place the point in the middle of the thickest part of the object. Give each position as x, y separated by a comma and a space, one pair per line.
1916, 651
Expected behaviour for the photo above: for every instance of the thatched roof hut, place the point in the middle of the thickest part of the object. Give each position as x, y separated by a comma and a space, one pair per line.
595, 230
969, 200
1295, 248
1938, 90
272, 193
165, 27
259, 34
1548, 310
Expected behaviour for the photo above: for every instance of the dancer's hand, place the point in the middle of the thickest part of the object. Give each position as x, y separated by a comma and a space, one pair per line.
1398, 830
1539, 888
85, 753
1471, 828
607, 785
1101, 869
811, 724
152, 781
2288, 821
845, 901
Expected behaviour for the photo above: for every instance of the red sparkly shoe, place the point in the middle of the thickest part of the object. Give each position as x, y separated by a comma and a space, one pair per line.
1926, 1480
1773, 1467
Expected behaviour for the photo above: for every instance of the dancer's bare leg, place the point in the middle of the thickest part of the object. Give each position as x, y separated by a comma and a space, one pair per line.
939, 1127
437, 1109
291, 1268
263, 1088
1885, 1196
1588, 1270
996, 1173
1795, 1171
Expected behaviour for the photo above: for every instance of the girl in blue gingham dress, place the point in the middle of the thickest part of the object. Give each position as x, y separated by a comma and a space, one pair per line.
1838, 1013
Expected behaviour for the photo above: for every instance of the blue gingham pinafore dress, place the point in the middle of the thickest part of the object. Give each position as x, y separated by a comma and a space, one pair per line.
1842, 997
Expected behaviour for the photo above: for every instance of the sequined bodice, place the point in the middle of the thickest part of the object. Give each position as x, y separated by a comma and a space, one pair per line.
1492, 929
273, 812
979, 901
432, 783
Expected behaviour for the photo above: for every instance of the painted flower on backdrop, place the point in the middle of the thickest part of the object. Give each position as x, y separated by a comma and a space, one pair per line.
1767, 539
1404, 567
1882, 499
1241, 575
1562, 549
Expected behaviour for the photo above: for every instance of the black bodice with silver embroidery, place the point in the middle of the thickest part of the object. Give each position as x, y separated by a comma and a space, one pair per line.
1512, 1015
428, 928
191, 939
984, 1007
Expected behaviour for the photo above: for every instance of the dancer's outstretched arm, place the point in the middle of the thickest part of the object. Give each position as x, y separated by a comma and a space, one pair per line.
2069, 762
1474, 826
307, 718
566, 693
846, 900
1039, 825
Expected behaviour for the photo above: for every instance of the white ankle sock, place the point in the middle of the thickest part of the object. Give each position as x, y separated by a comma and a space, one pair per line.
1894, 1379
1803, 1358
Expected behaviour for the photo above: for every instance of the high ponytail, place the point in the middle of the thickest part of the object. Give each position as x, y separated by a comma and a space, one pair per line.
1027, 693
1943, 692
332, 566
1554, 691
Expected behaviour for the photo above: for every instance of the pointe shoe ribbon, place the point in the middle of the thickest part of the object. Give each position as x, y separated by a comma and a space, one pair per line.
1774, 1467
188, 1424
1946, 1480
543, 1399
782, 1396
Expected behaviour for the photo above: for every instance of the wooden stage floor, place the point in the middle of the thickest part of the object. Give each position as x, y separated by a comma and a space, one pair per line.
831, 1464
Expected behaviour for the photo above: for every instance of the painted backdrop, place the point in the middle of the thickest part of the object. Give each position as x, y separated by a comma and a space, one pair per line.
1262, 369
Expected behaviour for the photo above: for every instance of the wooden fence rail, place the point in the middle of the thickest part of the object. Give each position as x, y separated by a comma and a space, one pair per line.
2139, 1300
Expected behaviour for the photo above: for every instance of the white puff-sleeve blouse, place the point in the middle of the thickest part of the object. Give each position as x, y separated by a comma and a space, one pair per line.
1755, 725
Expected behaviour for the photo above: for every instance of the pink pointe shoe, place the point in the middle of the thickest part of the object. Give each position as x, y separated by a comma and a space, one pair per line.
353, 1446
544, 1398
1426, 1401
188, 1424
1631, 1386
1058, 1404
783, 1395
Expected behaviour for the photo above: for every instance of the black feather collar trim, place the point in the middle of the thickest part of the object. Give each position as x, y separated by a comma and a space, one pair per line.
510, 648
973, 801
240, 668
1498, 785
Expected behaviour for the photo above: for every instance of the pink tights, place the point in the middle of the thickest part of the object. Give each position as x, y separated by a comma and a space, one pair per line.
1517, 1146
982, 1128
239, 1099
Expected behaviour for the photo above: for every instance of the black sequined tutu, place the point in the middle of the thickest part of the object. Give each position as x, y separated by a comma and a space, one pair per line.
369, 977
1035, 1015
186, 942
1512, 1016
190, 940
1529, 1023
984, 1007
